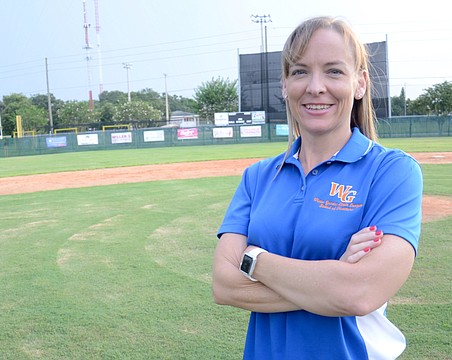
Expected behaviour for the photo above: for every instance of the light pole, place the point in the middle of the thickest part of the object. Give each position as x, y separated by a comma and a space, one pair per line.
127, 66
262, 19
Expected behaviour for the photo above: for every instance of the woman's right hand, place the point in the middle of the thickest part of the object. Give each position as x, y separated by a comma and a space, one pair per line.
362, 244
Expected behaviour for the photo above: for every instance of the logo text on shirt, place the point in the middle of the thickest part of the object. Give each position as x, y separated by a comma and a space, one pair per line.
343, 192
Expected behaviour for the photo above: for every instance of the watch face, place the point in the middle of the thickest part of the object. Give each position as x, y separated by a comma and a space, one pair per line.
247, 261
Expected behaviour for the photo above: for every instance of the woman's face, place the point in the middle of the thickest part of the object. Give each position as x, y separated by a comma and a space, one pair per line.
323, 84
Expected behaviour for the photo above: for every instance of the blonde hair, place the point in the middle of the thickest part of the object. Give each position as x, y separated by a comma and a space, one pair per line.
363, 115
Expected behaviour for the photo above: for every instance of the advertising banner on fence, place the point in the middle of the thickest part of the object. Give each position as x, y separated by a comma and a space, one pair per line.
223, 132
221, 119
87, 139
250, 131
56, 141
121, 138
183, 134
155, 135
282, 130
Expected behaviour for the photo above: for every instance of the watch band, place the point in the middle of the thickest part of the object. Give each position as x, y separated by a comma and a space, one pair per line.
248, 262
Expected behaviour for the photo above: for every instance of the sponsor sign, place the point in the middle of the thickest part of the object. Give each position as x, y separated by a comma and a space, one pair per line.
223, 132
258, 117
221, 119
183, 134
87, 139
121, 137
250, 131
282, 130
56, 141
155, 135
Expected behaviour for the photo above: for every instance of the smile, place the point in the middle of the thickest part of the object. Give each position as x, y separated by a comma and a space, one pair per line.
317, 107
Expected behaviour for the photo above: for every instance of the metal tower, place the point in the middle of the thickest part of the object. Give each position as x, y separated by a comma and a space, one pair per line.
87, 47
99, 53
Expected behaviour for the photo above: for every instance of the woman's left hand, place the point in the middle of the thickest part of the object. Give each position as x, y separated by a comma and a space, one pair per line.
362, 244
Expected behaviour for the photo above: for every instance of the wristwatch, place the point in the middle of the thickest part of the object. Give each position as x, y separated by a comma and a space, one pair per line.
248, 262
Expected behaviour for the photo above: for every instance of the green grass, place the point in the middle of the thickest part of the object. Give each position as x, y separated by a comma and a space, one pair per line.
26, 165
119, 272
124, 271
428, 144
39, 164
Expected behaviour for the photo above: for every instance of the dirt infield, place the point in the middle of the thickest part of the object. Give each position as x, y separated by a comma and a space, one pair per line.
434, 207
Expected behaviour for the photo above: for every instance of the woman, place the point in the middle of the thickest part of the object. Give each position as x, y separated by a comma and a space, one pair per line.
291, 219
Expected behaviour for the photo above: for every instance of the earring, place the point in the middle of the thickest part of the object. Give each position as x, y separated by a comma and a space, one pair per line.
359, 95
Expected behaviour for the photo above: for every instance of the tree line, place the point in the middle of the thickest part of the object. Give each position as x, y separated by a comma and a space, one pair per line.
147, 108
435, 100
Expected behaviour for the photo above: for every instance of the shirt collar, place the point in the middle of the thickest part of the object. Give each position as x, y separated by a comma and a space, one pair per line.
356, 148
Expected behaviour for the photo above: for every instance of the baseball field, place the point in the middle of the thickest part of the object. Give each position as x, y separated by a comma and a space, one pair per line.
108, 254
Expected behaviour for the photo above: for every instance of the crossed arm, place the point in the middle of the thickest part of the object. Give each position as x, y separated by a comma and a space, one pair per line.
367, 275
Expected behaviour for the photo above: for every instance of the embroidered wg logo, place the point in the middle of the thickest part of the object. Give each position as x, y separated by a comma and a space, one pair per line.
343, 192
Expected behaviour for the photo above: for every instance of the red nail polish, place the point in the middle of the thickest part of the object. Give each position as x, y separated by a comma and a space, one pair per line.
377, 240
366, 250
378, 233
373, 228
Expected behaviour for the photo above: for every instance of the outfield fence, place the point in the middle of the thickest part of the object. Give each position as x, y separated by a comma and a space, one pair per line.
396, 127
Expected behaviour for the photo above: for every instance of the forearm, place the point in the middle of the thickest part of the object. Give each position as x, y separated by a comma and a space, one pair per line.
231, 288
316, 286
336, 288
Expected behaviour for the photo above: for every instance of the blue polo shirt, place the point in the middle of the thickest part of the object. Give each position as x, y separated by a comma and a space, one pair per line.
313, 217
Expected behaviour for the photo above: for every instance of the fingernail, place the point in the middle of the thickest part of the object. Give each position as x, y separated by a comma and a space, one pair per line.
373, 228
379, 232
377, 240
366, 250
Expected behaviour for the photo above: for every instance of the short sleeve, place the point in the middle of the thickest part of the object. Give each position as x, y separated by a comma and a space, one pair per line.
237, 217
394, 203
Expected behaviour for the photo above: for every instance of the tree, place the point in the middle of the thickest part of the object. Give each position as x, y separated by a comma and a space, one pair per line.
151, 97
436, 100
398, 104
135, 111
33, 117
75, 113
114, 97
217, 95
41, 101
182, 104
440, 97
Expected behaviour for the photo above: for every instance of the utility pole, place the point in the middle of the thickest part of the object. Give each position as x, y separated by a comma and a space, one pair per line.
127, 66
166, 102
49, 102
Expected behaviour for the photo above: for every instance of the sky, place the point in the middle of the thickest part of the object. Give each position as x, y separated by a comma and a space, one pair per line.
177, 45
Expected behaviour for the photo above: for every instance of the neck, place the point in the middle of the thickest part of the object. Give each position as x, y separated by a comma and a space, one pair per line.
315, 150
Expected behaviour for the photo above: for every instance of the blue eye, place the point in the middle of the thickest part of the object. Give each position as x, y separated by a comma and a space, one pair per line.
298, 72
336, 72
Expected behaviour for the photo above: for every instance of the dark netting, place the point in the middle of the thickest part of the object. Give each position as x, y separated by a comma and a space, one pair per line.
260, 82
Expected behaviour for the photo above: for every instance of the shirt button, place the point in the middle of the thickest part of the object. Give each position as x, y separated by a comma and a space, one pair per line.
315, 172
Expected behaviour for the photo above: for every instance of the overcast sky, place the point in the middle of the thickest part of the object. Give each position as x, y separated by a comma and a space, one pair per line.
193, 41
